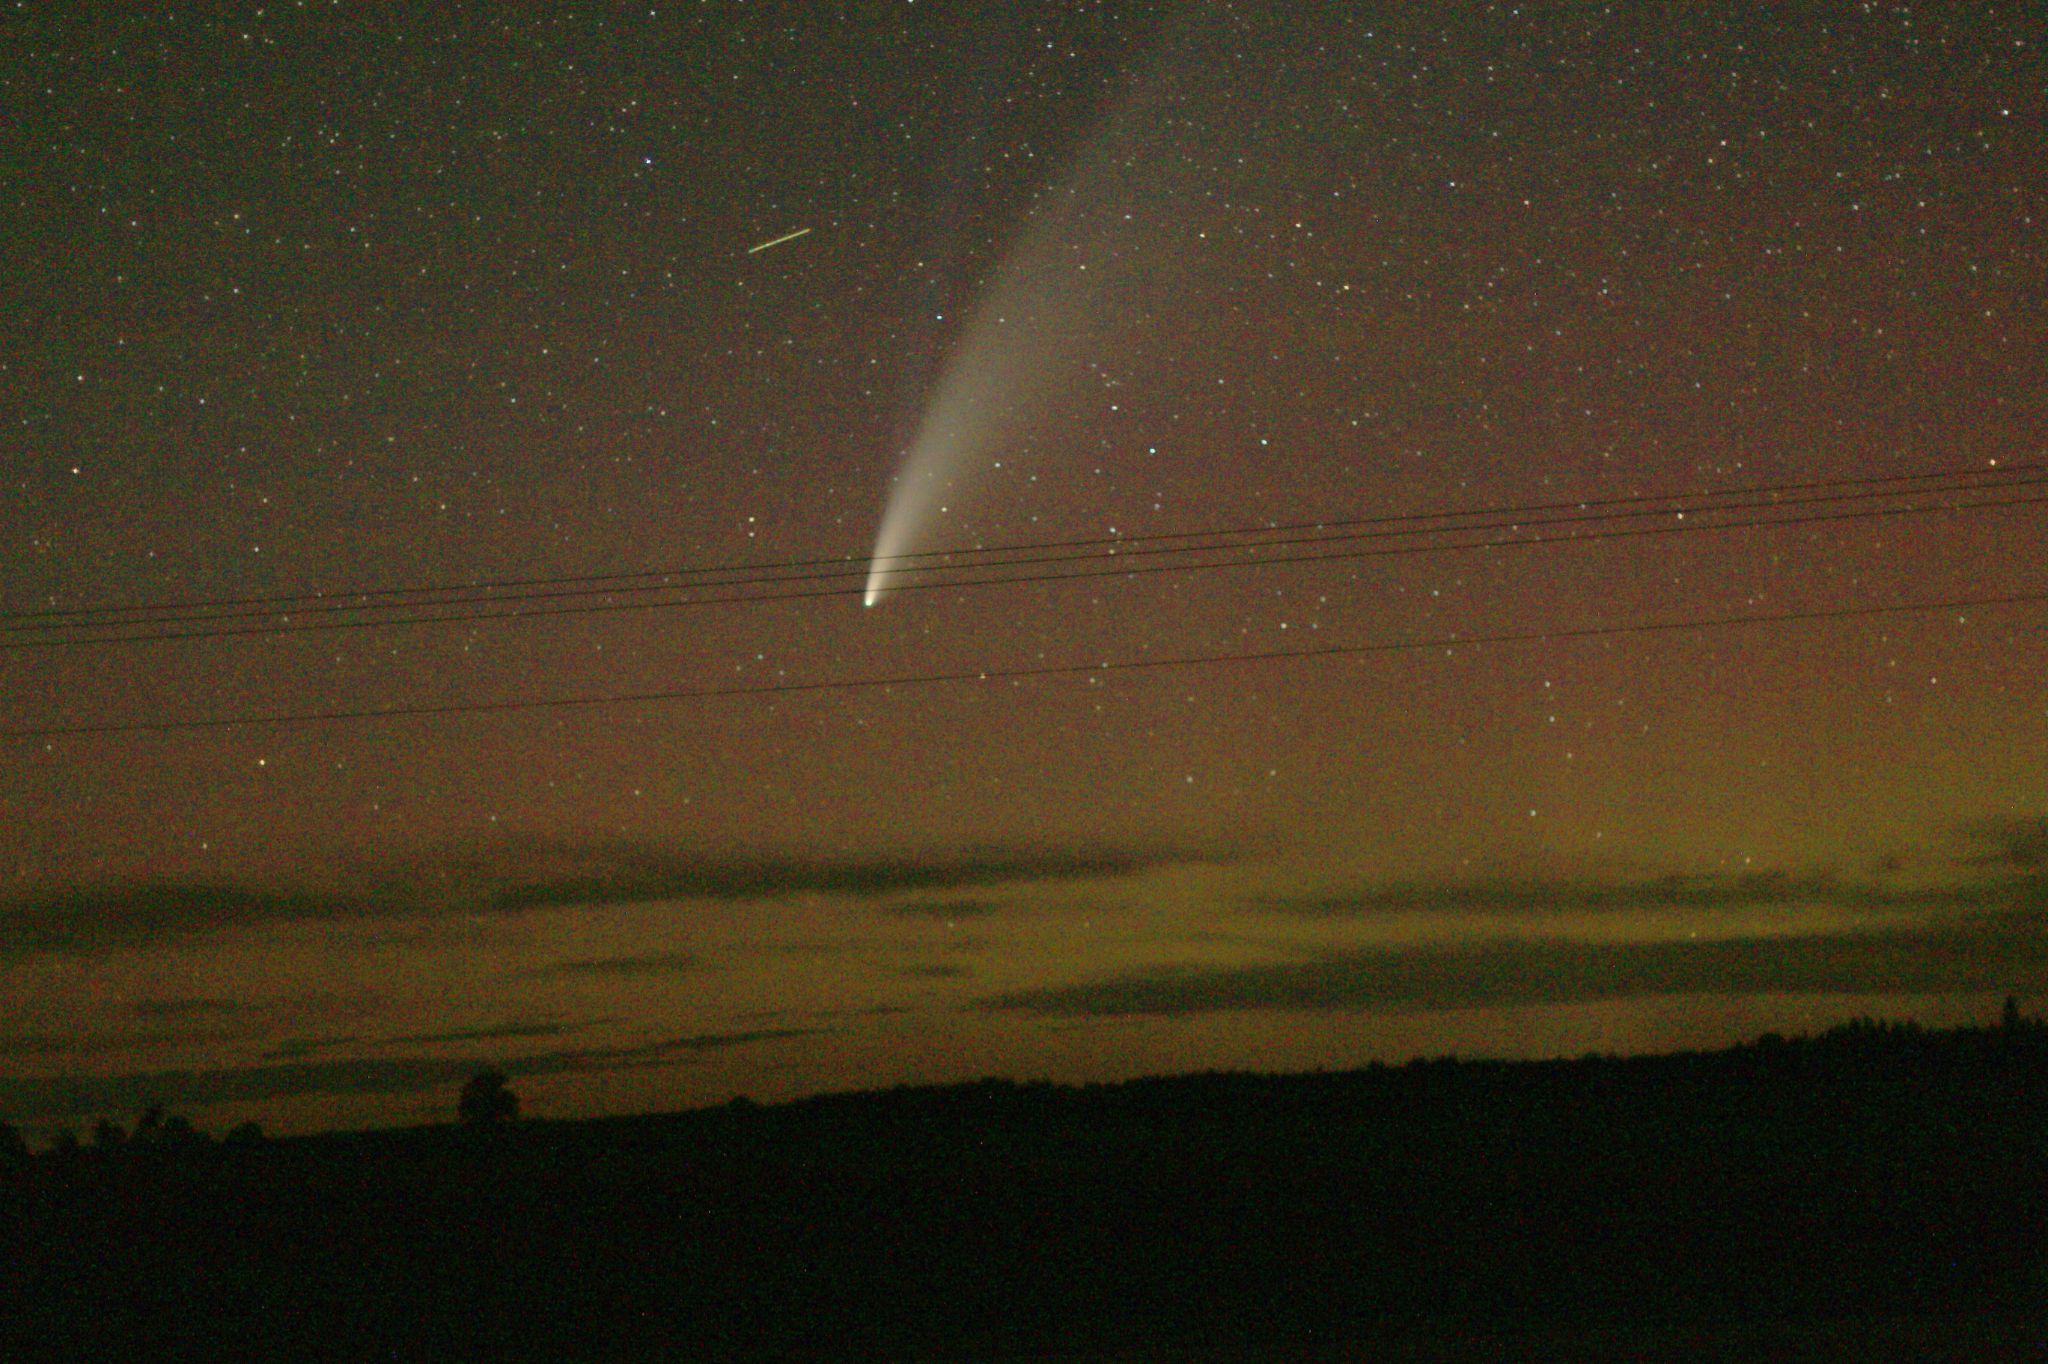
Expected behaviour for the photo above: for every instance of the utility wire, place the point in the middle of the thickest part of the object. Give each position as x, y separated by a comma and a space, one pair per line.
1104, 668
1115, 570
1273, 540
766, 571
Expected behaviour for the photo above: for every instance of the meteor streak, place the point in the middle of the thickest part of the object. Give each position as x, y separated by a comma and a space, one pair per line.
777, 241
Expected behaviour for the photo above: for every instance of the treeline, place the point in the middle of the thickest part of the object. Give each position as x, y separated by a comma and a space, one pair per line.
486, 1098
1871, 1171
157, 1129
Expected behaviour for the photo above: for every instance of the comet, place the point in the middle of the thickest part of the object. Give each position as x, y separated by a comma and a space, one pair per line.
1099, 265
777, 241
1093, 257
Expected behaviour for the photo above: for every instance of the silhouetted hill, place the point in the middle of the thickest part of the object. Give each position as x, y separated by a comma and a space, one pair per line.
1874, 1180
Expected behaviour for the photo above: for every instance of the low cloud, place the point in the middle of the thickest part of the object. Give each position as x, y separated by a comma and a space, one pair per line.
71, 1045
667, 1051
519, 876
944, 909
50, 1098
2018, 843
489, 1033
299, 1048
614, 874
189, 1007
933, 971
1981, 954
638, 964
1698, 893
90, 921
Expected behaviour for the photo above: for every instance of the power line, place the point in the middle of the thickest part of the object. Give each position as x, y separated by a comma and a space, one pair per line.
1119, 569
771, 570
1104, 668
1115, 550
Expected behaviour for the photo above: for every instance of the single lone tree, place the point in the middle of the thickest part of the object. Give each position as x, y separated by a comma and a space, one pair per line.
486, 1101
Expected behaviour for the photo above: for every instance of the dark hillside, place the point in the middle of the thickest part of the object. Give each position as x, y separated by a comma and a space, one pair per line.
1873, 1174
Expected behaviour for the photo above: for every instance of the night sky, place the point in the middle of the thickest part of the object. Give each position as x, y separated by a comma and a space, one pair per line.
325, 299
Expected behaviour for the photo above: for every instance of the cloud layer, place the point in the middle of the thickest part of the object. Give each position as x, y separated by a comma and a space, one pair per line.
967, 938
517, 877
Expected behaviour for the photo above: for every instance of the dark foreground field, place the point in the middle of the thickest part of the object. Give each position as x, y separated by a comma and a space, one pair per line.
1873, 1194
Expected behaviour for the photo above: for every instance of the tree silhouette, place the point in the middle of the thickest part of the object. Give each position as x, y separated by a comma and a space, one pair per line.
486, 1101
13, 1146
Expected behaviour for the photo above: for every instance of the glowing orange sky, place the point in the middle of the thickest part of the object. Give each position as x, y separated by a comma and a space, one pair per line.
461, 298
